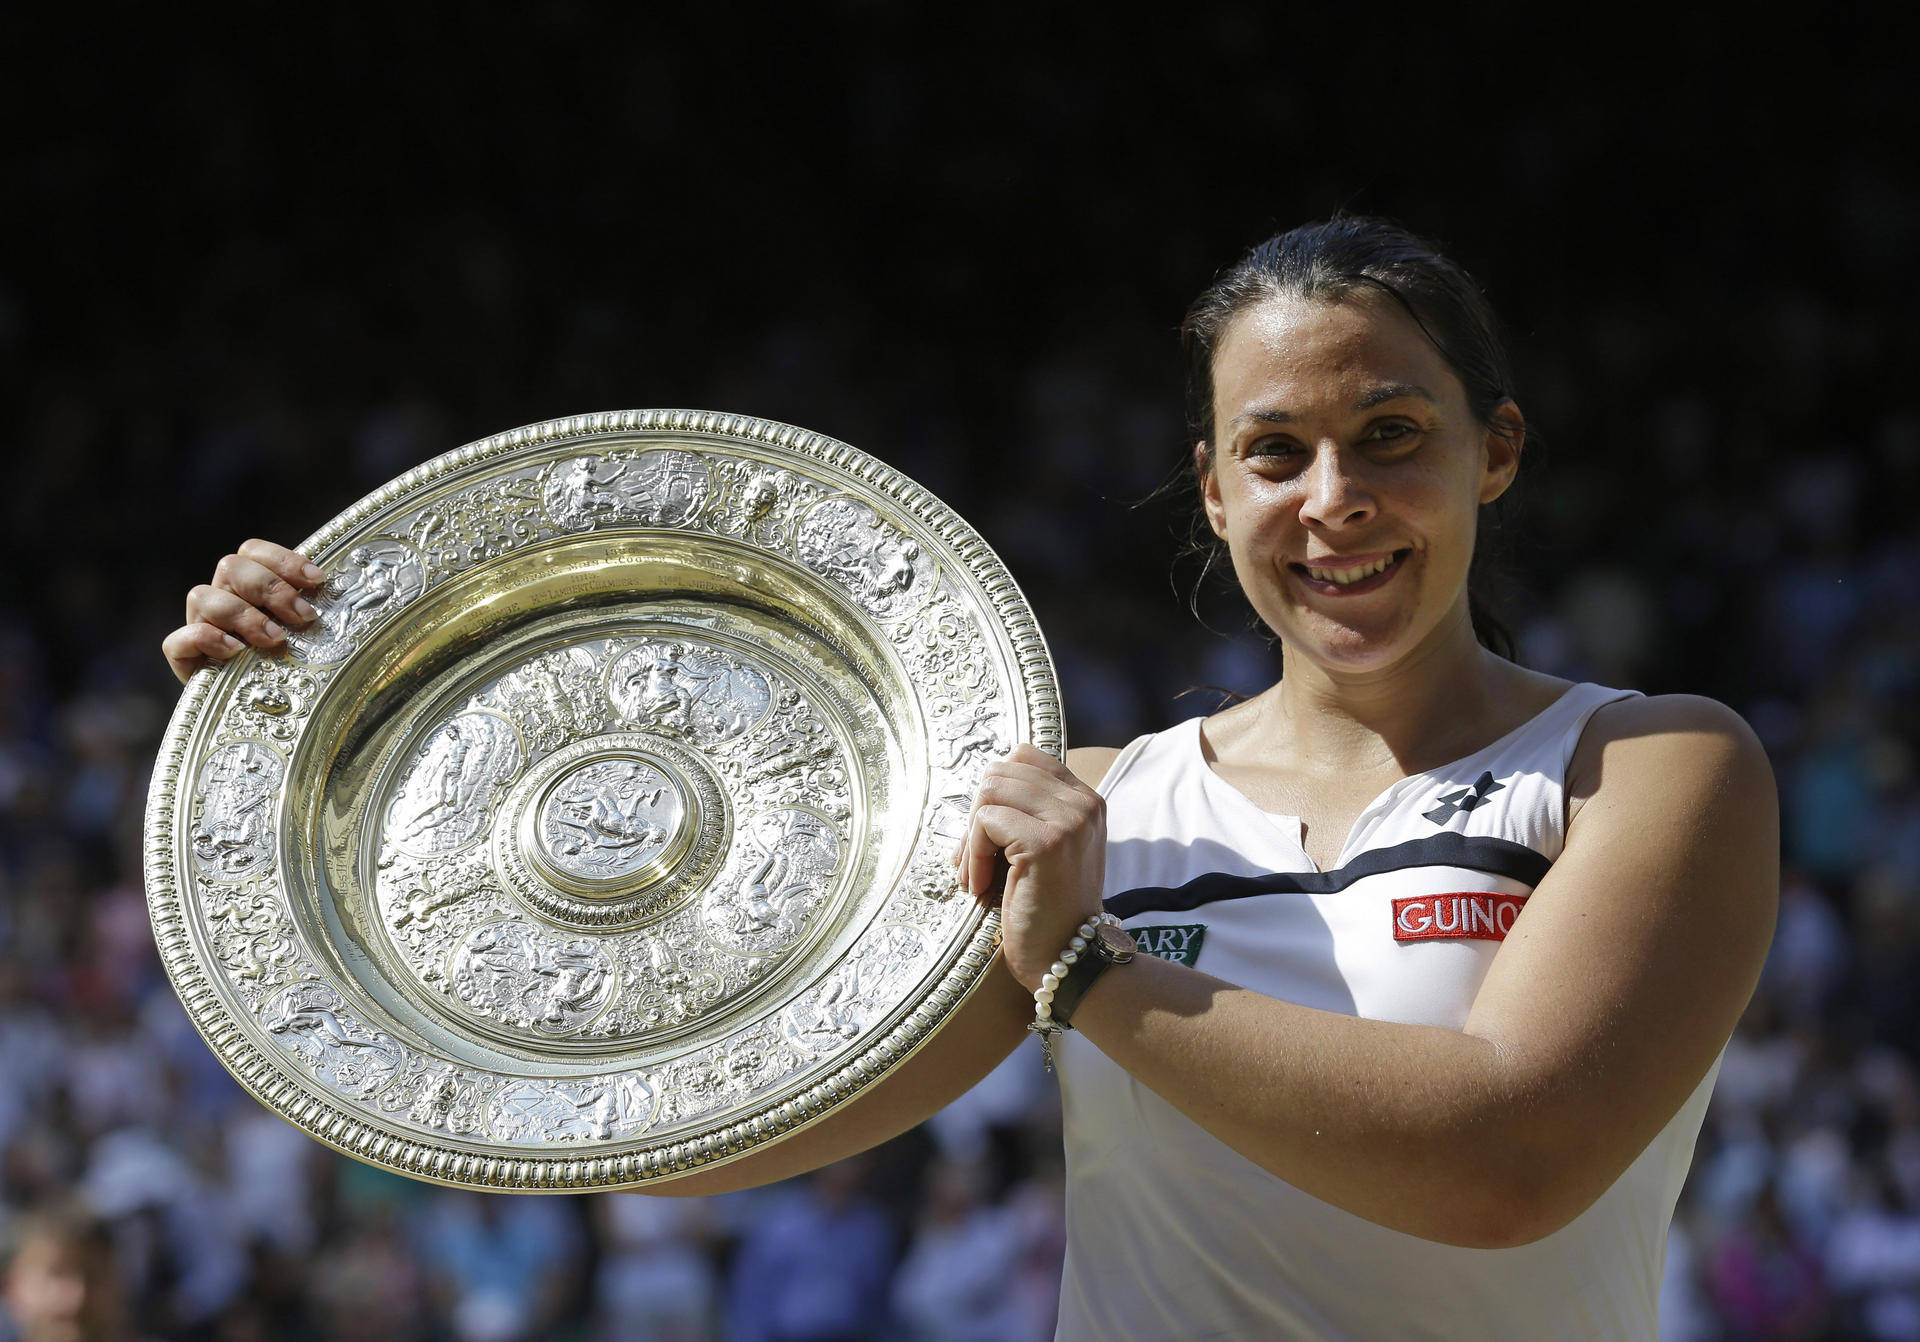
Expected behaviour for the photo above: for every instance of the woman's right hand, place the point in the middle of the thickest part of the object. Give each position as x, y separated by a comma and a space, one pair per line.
255, 596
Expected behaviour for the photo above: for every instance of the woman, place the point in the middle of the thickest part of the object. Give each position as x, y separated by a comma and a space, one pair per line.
1458, 944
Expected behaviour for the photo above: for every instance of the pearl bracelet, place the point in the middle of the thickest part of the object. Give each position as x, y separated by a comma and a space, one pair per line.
1043, 1023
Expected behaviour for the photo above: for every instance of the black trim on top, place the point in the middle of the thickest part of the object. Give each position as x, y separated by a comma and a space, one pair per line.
1496, 857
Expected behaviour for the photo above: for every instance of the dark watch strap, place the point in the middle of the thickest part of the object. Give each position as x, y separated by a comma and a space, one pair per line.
1074, 986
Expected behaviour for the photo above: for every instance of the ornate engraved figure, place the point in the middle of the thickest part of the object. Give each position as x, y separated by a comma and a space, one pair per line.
511, 973
969, 731
252, 936
553, 699
273, 699
479, 523
671, 487
584, 491
761, 501
795, 741
832, 1015
665, 980
447, 796
934, 879
660, 488
883, 569
233, 838
379, 577
600, 1109
942, 647
610, 818
758, 496
696, 693
310, 1020
798, 852
423, 896
437, 1096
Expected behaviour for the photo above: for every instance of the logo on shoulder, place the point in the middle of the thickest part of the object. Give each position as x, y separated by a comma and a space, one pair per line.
1179, 943
1474, 914
1461, 800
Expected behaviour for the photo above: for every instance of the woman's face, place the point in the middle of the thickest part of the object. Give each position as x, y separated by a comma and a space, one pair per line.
1343, 439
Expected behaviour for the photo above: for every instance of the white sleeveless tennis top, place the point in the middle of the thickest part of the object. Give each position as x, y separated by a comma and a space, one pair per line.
1171, 1234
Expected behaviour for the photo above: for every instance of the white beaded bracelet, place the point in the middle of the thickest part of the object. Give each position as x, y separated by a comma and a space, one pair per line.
1043, 1023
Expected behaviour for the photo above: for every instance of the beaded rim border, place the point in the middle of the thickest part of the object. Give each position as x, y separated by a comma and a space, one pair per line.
353, 1133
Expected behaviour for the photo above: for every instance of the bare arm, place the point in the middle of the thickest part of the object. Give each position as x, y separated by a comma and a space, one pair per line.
985, 1029
1605, 1006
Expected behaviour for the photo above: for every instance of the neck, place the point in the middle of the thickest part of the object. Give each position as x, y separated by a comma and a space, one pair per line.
1406, 716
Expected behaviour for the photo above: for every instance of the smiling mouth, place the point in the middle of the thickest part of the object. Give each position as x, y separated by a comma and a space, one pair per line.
1351, 581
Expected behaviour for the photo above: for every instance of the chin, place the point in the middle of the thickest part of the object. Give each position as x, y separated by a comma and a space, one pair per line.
1343, 648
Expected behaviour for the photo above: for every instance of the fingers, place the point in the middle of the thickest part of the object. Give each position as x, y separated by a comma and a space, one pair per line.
222, 609
995, 830
255, 596
1027, 785
295, 567
274, 586
1029, 754
193, 646
1030, 790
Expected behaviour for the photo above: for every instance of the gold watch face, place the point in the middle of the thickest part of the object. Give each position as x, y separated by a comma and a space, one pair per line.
1116, 943
598, 829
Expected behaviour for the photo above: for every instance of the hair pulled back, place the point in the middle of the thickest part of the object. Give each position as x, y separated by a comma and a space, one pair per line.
1328, 261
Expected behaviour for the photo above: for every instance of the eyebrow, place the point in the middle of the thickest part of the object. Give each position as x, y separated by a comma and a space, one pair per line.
1390, 391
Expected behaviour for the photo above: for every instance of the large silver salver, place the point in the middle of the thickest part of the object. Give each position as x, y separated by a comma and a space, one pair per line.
599, 830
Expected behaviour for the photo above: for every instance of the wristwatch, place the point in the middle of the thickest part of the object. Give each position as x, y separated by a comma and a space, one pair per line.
1108, 946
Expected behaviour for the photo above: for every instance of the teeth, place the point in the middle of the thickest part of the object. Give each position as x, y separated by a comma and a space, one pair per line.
1344, 576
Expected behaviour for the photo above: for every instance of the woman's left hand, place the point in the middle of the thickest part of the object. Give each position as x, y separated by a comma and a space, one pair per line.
1052, 829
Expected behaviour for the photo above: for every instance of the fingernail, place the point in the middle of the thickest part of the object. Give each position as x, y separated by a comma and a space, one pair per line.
312, 573
230, 643
275, 632
302, 609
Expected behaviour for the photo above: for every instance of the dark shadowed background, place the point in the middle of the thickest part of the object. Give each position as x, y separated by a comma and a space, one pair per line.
257, 266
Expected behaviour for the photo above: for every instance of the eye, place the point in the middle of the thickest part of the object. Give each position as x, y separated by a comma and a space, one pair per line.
1272, 448
1394, 431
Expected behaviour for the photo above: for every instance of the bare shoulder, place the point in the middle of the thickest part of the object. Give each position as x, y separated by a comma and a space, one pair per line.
1090, 763
1684, 751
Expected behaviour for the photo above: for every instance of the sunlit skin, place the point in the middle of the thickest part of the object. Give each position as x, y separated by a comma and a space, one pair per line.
1341, 431
1341, 435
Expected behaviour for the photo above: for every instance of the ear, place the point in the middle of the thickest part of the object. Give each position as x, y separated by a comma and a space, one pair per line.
1505, 438
1210, 489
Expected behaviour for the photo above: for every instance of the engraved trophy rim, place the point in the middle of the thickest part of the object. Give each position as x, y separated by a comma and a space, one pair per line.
349, 686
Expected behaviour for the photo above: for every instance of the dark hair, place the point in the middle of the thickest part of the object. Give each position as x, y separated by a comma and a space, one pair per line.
1330, 260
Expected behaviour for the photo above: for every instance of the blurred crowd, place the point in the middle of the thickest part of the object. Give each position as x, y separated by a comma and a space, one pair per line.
1718, 501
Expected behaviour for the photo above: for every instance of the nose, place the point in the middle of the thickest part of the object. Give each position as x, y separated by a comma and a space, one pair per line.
1336, 494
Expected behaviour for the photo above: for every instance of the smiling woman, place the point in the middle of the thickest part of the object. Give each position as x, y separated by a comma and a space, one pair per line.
1387, 1002
1403, 288
1462, 943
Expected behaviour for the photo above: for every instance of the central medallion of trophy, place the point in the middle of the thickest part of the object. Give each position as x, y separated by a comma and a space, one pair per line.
609, 820
611, 830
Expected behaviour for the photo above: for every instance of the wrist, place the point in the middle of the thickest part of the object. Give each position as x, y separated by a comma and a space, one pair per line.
1032, 956
1099, 945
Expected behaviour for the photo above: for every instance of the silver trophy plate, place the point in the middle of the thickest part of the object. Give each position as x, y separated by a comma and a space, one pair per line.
599, 829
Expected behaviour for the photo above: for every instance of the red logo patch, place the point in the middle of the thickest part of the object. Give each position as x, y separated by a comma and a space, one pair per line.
1478, 914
